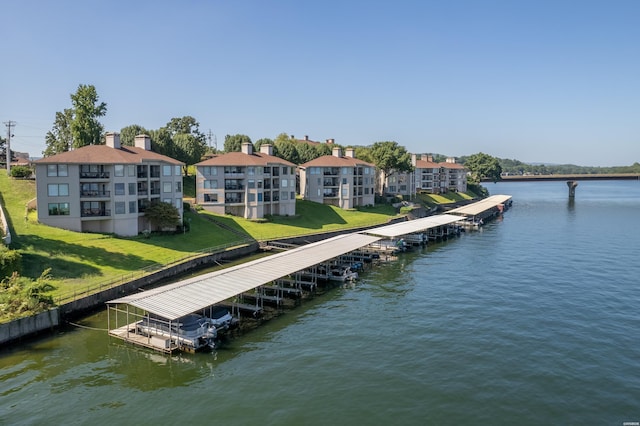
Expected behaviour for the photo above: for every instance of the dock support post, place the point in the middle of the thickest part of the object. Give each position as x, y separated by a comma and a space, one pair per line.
572, 188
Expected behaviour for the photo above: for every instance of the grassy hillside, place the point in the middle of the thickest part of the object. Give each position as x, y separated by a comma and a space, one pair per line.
81, 260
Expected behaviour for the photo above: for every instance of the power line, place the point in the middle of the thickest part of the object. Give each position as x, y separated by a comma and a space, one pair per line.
7, 156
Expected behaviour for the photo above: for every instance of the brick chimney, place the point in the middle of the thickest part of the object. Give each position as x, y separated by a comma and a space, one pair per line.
331, 141
414, 159
143, 141
337, 151
350, 152
113, 140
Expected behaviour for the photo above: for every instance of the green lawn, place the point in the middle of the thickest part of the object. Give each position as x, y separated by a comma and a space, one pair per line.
310, 218
82, 260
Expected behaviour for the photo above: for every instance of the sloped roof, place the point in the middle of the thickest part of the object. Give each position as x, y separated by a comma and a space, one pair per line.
176, 300
333, 161
242, 159
424, 164
480, 206
107, 155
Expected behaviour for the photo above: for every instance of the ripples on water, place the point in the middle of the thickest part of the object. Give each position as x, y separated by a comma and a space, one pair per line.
532, 320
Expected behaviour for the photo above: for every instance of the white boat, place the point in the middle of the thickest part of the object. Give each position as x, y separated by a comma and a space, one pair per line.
192, 332
342, 273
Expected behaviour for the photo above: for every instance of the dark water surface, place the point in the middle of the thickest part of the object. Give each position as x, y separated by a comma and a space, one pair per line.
535, 320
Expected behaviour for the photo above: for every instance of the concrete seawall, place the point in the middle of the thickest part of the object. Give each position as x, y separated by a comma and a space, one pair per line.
24, 327
27, 326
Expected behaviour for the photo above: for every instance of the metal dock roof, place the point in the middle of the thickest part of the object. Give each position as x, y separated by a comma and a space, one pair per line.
176, 300
480, 206
412, 226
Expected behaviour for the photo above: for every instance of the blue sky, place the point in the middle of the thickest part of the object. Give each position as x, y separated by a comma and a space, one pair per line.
538, 81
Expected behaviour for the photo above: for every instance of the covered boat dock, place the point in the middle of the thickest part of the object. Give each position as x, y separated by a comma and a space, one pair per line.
476, 213
178, 300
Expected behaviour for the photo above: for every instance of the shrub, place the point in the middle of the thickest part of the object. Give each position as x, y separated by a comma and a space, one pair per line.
21, 172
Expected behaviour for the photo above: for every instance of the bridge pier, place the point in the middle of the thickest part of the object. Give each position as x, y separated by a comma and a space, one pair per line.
572, 188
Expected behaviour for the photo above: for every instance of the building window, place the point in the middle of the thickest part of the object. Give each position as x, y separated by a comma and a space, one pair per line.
319, 181
178, 203
178, 186
251, 183
284, 195
167, 200
120, 207
58, 190
58, 209
210, 171
252, 197
260, 197
166, 170
57, 170
285, 170
210, 198
210, 184
366, 191
131, 170
132, 188
293, 195
259, 184
166, 187
345, 170
118, 170
251, 170
284, 183
344, 181
118, 188
345, 192
177, 171
133, 206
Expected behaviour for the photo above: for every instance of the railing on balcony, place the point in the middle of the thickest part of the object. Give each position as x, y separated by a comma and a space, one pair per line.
331, 172
232, 200
234, 187
94, 175
95, 212
155, 191
95, 193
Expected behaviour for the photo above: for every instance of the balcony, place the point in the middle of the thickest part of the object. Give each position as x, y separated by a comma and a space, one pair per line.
334, 171
234, 187
96, 213
94, 175
95, 193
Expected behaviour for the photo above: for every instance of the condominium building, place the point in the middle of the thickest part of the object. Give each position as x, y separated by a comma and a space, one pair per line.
428, 176
106, 188
247, 184
342, 181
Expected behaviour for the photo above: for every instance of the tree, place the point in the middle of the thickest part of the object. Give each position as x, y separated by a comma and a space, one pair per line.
162, 142
85, 127
162, 215
390, 158
59, 138
263, 141
186, 125
188, 149
287, 151
482, 166
234, 143
128, 134
306, 152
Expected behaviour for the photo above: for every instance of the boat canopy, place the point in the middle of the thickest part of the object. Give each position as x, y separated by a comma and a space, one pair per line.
176, 300
412, 226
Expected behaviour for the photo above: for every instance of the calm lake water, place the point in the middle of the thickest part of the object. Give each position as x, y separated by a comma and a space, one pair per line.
535, 319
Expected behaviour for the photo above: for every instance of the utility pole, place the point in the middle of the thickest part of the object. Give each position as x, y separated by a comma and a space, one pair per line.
9, 125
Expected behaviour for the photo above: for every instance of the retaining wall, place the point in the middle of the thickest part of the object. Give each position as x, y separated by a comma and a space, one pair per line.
26, 326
